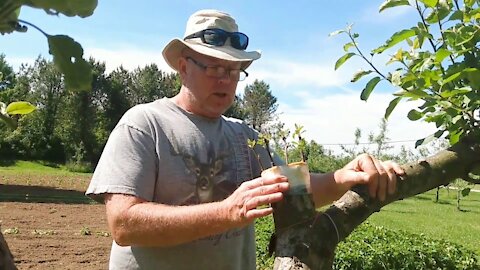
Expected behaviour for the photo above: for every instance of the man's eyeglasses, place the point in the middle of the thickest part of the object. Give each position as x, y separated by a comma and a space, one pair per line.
218, 37
220, 72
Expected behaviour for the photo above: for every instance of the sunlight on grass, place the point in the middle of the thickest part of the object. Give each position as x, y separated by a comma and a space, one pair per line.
29, 167
442, 220
28, 173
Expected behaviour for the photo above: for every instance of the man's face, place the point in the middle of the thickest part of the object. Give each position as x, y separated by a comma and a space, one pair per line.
207, 96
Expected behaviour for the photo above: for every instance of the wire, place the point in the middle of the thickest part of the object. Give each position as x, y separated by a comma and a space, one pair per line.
366, 143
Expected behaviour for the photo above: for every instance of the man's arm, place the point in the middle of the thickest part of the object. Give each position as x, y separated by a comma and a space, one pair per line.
379, 176
136, 222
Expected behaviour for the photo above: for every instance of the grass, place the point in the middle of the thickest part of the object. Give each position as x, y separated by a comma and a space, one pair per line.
32, 173
441, 220
21, 167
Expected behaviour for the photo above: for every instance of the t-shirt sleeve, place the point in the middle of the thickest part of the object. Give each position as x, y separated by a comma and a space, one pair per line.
128, 165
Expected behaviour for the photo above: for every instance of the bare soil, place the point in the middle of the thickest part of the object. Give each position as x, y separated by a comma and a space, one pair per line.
53, 228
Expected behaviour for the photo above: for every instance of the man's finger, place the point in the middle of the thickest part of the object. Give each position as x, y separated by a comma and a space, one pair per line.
263, 200
262, 181
367, 165
383, 180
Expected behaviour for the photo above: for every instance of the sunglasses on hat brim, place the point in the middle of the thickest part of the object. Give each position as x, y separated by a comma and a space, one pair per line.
218, 37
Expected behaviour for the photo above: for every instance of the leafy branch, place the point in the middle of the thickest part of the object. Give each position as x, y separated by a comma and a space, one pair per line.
67, 53
450, 91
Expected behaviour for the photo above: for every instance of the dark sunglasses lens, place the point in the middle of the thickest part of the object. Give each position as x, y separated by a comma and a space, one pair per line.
215, 37
239, 41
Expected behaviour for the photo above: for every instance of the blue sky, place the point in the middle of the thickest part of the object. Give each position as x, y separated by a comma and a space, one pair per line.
298, 56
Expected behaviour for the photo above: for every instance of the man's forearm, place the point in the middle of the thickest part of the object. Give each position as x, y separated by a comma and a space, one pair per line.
153, 224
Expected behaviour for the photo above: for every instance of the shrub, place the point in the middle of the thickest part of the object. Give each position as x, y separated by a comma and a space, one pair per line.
81, 167
371, 247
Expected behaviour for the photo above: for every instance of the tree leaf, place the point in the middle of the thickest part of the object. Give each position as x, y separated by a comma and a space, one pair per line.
454, 136
451, 78
429, 3
465, 192
461, 91
391, 107
342, 60
414, 115
347, 46
369, 88
70, 8
393, 3
68, 58
20, 107
394, 39
430, 138
441, 54
334, 33
359, 74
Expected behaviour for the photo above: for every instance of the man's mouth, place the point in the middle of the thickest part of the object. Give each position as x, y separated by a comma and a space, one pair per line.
221, 95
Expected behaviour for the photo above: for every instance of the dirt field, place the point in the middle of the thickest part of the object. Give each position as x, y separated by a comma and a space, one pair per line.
52, 228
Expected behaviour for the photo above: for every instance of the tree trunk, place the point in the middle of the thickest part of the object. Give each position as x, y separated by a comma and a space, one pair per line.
6, 257
309, 243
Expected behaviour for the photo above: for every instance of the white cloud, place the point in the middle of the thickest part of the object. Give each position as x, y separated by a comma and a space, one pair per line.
333, 119
372, 14
287, 73
129, 58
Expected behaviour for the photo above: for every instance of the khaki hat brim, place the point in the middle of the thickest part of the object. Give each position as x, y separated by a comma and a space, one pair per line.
173, 50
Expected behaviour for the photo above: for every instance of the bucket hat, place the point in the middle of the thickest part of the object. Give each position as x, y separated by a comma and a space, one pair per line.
202, 20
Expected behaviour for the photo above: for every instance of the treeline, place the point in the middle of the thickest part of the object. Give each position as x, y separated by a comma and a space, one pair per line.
68, 126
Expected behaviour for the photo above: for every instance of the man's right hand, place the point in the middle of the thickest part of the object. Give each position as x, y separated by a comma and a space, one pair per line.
243, 204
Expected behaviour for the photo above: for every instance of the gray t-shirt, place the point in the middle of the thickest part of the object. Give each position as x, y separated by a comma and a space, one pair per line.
164, 154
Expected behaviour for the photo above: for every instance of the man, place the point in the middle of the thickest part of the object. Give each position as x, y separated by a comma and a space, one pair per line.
181, 187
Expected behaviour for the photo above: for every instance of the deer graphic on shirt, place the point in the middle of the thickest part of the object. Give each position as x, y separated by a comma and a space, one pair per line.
212, 181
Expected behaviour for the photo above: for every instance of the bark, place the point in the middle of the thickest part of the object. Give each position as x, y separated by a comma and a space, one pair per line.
310, 242
6, 257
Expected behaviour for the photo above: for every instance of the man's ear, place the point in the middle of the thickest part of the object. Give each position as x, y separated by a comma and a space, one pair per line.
182, 67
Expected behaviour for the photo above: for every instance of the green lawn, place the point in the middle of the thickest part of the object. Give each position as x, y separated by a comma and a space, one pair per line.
28, 173
34, 167
420, 214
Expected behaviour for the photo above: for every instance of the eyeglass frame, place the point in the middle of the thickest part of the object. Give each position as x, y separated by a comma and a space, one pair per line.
226, 34
226, 70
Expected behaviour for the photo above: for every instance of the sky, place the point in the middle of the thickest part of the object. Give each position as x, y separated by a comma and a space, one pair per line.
298, 55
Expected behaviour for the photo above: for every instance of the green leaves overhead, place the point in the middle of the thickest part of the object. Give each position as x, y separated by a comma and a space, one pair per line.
342, 60
394, 39
437, 61
82, 8
10, 10
393, 3
68, 57
369, 88
67, 54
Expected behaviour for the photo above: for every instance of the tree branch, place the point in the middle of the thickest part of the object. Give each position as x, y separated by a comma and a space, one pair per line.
313, 247
6, 257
